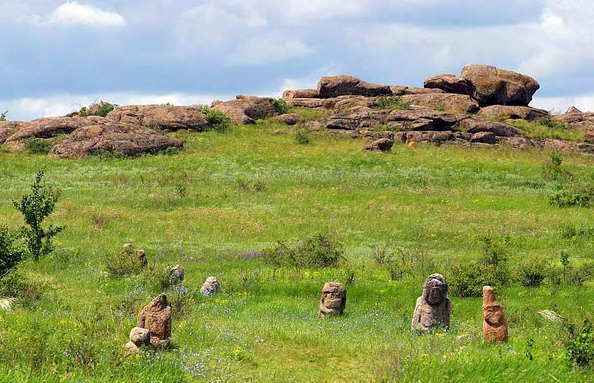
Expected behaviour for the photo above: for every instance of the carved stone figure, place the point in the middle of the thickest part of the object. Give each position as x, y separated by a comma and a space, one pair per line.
333, 300
494, 323
210, 287
433, 307
176, 275
138, 337
156, 317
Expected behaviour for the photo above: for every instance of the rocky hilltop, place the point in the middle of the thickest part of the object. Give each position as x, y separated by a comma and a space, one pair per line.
478, 107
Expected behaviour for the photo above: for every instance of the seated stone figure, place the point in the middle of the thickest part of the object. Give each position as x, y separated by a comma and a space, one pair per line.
494, 323
156, 317
210, 287
333, 300
433, 307
138, 337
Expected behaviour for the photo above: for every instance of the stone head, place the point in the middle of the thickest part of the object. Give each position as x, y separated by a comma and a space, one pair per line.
435, 289
333, 294
140, 336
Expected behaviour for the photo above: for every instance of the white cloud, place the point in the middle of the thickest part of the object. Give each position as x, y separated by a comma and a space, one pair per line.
58, 105
73, 13
270, 49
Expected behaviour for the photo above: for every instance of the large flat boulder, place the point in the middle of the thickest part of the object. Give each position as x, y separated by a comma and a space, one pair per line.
576, 120
314, 103
449, 83
477, 125
50, 127
513, 112
493, 86
8, 128
247, 110
300, 93
333, 86
167, 117
448, 102
402, 90
112, 138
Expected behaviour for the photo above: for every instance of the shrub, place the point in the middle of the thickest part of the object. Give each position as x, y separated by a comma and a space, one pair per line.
301, 137
578, 276
42, 146
3, 116
466, 279
281, 106
494, 259
573, 231
531, 273
100, 109
127, 262
552, 169
36, 207
10, 253
392, 103
395, 262
549, 123
571, 198
579, 346
217, 120
315, 252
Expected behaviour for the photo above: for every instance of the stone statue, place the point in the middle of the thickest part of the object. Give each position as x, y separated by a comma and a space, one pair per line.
210, 287
138, 337
433, 307
176, 275
156, 317
494, 323
333, 300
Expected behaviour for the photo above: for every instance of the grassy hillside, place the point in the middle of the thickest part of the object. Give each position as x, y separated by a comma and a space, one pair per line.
229, 195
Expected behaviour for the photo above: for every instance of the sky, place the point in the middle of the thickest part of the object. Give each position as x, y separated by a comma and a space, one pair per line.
57, 56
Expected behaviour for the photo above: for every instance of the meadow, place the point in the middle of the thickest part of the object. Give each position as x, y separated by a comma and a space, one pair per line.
215, 206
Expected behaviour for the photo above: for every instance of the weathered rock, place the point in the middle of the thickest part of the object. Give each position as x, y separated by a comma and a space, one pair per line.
167, 117
448, 102
314, 103
477, 125
493, 86
484, 138
54, 126
576, 120
589, 135
433, 307
402, 90
138, 337
549, 143
333, 300
101, 108
210, 287
313, 126
450, 84
353, 103
376, 135
334, 86
300, 93
436, 138
494, 323
288, 119
112, 138
513, 112
176, 275
156, 317
247, 110
379, 145
8, 128
573, 109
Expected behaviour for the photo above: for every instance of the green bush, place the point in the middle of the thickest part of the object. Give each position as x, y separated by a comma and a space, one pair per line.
572, 198
552, 169
549, 123
128, 262
3, 116
101, 109
392, 103
11, 254
281, 106
317, 251
466, 279
217, 120
36, 207
532, 272
579, 346
301, 137
395, 262
494, 259
34, 145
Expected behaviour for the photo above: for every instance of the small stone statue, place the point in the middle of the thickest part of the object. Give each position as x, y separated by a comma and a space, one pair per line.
494, 323
138, 337
210, 287
333, 300
433, 307
176, 275
156, 317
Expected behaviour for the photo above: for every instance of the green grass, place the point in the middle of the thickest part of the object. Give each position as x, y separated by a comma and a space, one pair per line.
225, 195
547, 129
392, 103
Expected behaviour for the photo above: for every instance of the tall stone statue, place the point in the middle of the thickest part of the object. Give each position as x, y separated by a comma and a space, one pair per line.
494, 323
333, 300
433, 307
156, 317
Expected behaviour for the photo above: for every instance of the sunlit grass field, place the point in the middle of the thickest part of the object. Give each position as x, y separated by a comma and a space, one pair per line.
213, 208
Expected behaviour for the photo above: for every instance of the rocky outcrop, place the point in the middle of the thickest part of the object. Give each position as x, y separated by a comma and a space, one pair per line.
334, 86
289, 119
166, 117
112, 138
8, 128
549, 143
247, 110
379, 145
576, 120
483, 138
513, 112
493, 86
477, 125
450, 84
300, 93
54, 126
401, 90
452, 103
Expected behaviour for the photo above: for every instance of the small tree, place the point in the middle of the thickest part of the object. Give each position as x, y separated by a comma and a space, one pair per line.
36, 207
